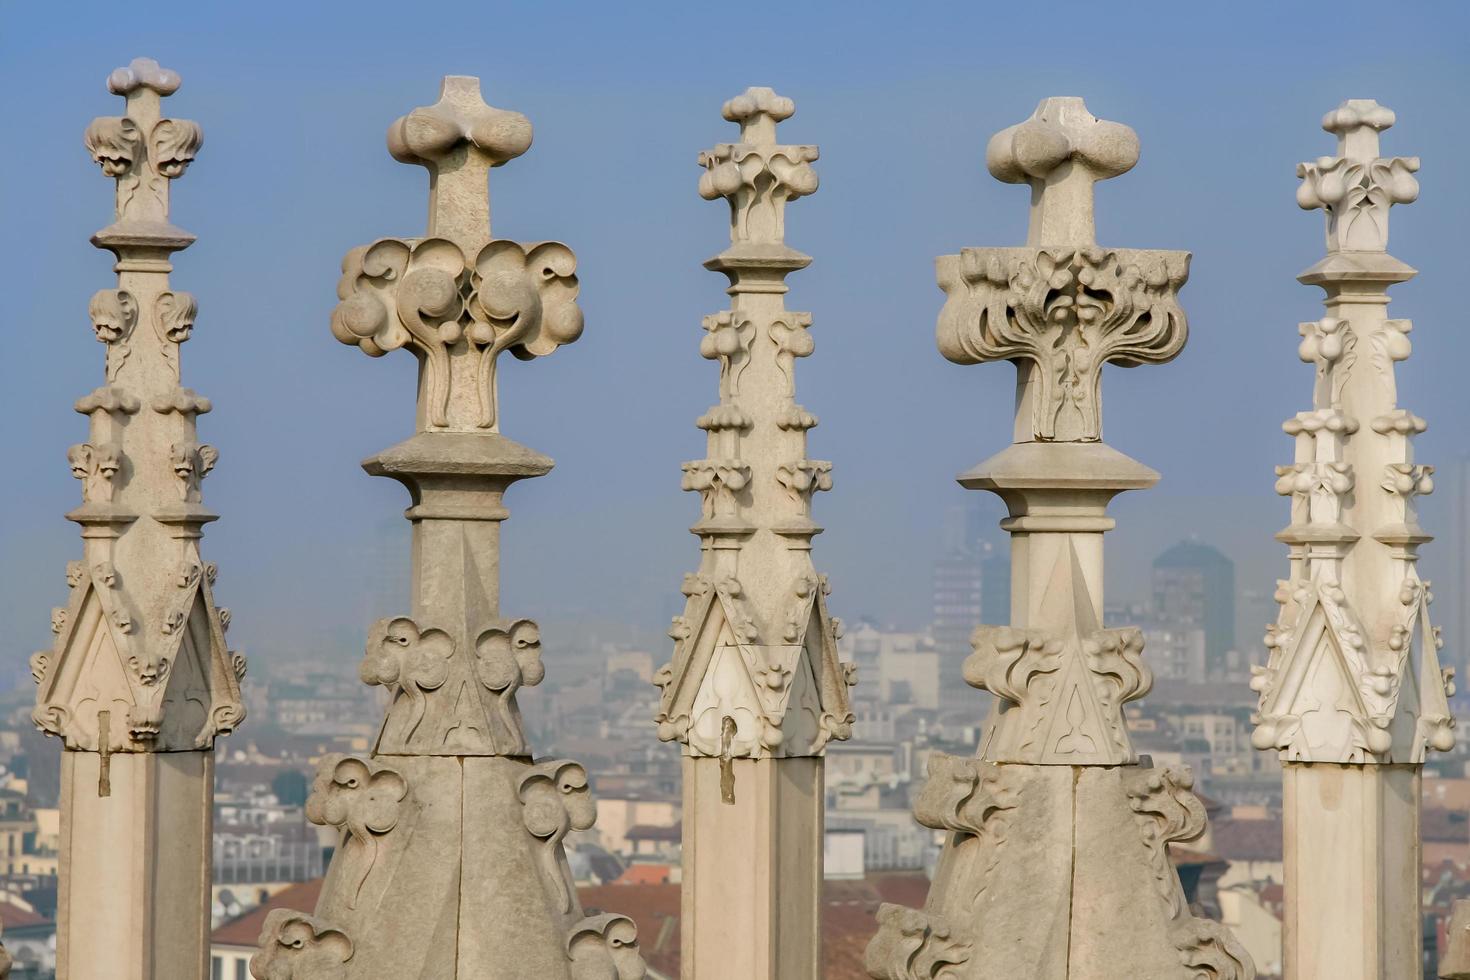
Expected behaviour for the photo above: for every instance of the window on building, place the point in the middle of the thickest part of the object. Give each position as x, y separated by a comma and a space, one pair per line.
216, 968
240, 968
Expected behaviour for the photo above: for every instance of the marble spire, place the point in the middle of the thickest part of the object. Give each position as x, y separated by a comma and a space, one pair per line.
1056, 865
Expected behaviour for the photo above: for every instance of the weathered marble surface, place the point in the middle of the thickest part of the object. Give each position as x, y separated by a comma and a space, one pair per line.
139, 680
1056, 866
1353, 695
450, 865
754, 690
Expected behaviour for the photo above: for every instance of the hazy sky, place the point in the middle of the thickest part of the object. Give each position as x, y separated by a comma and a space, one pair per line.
295, 97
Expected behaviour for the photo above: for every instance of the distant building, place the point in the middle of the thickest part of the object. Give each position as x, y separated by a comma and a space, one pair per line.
1194, 585
233, 943
843, 853
971, 585
995, 585
30, 939
266, 854
625, 824
321, 702
635, 662
894, 669
957, 608
1175, 651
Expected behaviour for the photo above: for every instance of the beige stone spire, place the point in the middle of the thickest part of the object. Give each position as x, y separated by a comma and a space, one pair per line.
755, 689
139, 682
450, 861
1057, 865
1352, 695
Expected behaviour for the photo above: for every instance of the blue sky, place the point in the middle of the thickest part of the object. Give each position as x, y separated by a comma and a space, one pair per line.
295, 98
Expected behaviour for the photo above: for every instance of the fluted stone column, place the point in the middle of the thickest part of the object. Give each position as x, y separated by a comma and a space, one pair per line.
450, 865
1057, 866
139, 682
755, 689
1353, 694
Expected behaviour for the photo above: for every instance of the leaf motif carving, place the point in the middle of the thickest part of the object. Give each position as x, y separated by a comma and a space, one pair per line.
1067, 312
555, 800
425, 294
605, 947
296, 946
405, 658
364, 800
914, 945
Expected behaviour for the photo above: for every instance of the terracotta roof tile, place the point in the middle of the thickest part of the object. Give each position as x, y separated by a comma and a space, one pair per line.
244, 930
15, 917
1248, 840
848, 918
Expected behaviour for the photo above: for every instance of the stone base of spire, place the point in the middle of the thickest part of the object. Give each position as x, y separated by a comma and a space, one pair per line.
1055, 873
757, 860
449, 868
1352, 842
135, 844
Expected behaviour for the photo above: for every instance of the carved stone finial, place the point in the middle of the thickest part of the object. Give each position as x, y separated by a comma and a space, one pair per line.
755, 689
1056, 819
458, 298
1061, 307
757, 110
758, 176
139, 678
458, 139
144, 151
1352, 693
1357, 187
1061, 151
1356, 123
449, 820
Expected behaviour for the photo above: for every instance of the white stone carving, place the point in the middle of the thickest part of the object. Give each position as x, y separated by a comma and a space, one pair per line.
1056, 863
139, 681
1353, 674
758, 652
1352, 694
755, 690
449, 821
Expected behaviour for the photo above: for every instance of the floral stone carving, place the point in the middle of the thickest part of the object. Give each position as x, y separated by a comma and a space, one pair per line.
294, 946
449, 820
1056, 861
363, 799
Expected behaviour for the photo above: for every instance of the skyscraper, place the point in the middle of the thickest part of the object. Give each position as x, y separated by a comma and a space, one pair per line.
1194, 585
995, 584
971, 585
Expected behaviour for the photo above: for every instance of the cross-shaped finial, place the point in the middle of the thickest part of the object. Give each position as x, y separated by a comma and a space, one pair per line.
757, 175
143, 150
1357, 187
1356, 124
758, 110
143, 73
458, 297
458, 139
1061, 151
